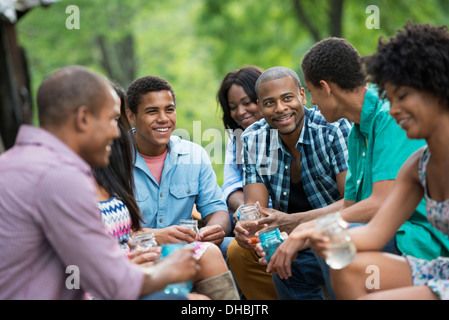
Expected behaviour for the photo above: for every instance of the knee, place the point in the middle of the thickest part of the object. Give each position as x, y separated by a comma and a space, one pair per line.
340, 280
212, 262
349, 282
213, 254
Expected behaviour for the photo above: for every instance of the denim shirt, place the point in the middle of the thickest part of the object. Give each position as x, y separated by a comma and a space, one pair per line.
232, 170
187, 179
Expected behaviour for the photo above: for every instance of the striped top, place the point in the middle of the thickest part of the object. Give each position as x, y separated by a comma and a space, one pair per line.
117, 221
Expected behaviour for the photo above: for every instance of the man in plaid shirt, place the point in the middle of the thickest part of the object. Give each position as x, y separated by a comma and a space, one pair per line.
298, 159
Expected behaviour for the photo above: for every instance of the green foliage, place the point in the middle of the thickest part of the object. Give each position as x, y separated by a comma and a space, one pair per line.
263, 33
194, 43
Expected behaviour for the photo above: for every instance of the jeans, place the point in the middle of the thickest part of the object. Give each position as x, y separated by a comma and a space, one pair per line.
224, 246
227, 240
305, 282
390, 247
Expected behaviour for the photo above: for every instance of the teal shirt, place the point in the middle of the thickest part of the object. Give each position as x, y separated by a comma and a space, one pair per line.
377, 148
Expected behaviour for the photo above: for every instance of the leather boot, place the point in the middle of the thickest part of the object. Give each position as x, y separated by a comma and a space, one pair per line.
220, 287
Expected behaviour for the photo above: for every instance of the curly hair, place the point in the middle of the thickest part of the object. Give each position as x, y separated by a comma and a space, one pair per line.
245, 77
417, 56
336, 60
142, 86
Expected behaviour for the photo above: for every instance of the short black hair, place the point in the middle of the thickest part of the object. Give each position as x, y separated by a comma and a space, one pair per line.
278, 72
142, 86
336, 60
245, 77
417, 56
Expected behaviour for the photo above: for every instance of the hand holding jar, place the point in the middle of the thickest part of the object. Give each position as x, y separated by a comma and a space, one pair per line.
247, 226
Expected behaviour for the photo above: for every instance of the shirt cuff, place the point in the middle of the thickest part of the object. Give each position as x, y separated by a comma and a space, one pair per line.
230, 189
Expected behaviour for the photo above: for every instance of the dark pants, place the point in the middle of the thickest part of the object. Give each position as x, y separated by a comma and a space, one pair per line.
305, 282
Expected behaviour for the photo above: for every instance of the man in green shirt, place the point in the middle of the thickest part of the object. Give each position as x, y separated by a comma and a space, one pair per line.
377, 148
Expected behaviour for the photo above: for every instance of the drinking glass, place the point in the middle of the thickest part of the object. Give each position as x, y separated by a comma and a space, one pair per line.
248, 214
180, 287
342, 250
190, 223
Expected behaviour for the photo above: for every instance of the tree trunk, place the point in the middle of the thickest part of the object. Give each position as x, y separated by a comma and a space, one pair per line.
335, 18
118, 59
334, 15
303, 18
15, 100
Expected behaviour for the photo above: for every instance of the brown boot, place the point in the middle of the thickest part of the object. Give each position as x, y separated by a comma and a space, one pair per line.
220, 287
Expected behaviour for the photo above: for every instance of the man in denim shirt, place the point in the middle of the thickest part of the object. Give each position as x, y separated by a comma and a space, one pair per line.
298, 159
171, 174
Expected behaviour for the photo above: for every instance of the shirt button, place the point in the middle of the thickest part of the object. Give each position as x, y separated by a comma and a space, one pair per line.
358, 181
161, 220
286, 167
162, 195
363, 154
188, 191
285, 193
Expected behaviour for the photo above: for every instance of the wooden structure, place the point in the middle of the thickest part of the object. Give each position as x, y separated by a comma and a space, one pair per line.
15, 97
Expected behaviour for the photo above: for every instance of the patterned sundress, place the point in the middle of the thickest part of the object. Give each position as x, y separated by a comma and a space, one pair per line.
433, 273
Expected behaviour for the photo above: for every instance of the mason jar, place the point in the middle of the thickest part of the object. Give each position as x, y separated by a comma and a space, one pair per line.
270, 241
342, 250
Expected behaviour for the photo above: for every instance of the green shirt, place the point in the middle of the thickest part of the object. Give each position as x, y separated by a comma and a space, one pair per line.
377, 148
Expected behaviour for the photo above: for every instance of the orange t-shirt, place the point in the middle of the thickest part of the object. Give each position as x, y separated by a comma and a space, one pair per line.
156, 165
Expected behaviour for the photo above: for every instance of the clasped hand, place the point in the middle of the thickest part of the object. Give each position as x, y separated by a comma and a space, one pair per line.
177, 234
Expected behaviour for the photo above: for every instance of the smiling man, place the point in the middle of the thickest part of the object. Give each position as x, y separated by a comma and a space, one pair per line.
298, 159
171, 174
49, 217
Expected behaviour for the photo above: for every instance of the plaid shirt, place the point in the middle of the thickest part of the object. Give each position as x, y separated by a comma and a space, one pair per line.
323, 151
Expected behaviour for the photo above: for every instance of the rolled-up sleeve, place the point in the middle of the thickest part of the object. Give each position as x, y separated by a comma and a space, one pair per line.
210, 197
232, 175
250, 173
339, 149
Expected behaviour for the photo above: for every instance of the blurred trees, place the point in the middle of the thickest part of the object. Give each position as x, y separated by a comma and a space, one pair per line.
279, 32
194, 43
